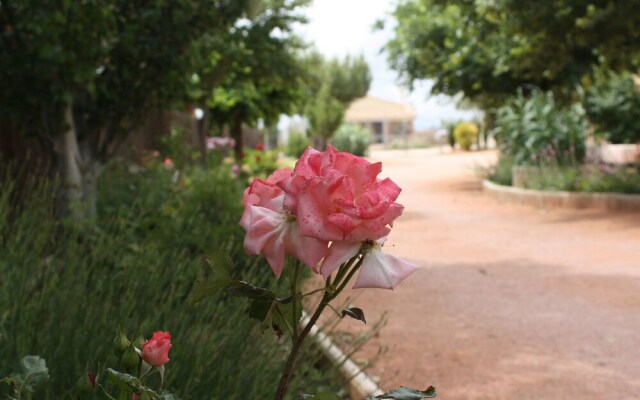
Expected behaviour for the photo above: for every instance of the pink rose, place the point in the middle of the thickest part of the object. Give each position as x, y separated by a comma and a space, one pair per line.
155, 351
272, 230
378, 269
337, 196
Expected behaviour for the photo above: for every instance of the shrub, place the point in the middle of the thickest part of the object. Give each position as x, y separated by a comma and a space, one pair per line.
501, 173
586, 178
466, 134
536, 131
450, 126
352, 138
63, 291
297, 144
613, 106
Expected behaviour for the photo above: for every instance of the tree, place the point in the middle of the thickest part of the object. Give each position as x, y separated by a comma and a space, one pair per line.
256, 74
331, 86
487, 50
87, 73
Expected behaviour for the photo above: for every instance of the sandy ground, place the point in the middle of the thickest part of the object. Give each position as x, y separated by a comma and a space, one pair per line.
511, 302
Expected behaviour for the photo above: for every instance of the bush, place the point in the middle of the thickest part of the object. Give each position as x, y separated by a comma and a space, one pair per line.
613, 106
466, 134
352, 138
502, 172
63, 291
536, 131
450, 126
297, 144
587, 178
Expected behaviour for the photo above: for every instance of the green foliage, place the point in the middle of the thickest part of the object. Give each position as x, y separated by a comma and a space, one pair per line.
259, 163
297, 144
63, 292
115, 61
536, 131
613, 106
502, 172
488, 49
587, 178
352, 138
253, 73
466, 134
325, 113
331, 86
174, 146
450, 126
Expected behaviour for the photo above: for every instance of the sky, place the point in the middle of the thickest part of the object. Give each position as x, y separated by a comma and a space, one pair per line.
344, 27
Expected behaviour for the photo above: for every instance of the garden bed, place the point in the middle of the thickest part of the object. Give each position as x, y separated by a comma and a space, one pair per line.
563, 199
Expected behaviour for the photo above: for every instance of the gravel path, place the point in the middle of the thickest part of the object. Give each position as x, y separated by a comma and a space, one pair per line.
512, 302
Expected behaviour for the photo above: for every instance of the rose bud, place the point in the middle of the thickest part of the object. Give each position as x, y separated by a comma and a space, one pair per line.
130, 360
86, 383
155, 351
120, 343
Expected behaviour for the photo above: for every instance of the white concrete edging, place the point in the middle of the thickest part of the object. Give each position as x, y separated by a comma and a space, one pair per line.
560, 199
361, 384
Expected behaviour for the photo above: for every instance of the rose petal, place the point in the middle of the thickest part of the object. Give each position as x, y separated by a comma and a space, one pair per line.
339, 253
382, 270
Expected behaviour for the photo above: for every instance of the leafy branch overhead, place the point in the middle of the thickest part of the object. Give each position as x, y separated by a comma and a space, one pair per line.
486, 50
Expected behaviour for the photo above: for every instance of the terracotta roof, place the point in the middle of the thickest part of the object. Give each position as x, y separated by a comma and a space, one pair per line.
374, 109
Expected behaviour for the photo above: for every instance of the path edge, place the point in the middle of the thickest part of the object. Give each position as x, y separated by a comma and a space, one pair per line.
360, 383
563, 199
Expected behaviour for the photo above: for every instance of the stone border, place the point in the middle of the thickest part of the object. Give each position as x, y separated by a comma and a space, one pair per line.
361, 384
558, 199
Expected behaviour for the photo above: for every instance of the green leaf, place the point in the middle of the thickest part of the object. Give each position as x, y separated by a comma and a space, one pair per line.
123, 380
244, 289
221, 265
355, 313
259, 309
405, 393
202, 290
283, 316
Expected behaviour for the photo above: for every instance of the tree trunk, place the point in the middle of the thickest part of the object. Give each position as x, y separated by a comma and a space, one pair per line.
91, 169
68, 162
236, 133
319, 143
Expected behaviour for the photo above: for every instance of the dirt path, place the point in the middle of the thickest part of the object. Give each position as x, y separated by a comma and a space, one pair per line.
512, 302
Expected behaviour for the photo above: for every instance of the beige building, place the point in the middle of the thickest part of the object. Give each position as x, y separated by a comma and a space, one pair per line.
385, 119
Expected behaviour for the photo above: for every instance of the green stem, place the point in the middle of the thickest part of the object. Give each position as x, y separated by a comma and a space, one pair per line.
105, 392
329, 295
343, 284
283, 385
296, 299
314, 292
345, 267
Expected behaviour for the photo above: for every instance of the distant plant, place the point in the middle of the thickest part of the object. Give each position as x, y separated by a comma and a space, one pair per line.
534, 130
450, 126
352, 138
466, 134
613, 106
297, 144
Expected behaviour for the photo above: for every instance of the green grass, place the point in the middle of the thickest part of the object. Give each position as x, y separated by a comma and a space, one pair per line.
63, 290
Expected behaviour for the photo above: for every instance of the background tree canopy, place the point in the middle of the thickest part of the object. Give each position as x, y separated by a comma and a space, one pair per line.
488, 49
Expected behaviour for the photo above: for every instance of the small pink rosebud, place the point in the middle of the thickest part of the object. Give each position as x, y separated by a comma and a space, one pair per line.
155, 351
168, 163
